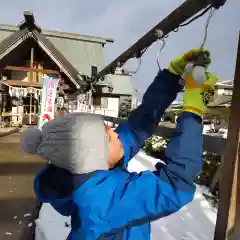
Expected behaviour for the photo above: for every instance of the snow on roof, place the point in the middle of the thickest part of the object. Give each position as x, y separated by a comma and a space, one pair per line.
228, 84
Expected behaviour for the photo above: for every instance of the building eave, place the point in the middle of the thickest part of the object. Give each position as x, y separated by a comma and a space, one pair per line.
17, 37
60, 34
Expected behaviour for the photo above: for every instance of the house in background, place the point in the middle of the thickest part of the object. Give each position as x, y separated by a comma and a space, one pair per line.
223, 97
27, 52
107, 99
220, 107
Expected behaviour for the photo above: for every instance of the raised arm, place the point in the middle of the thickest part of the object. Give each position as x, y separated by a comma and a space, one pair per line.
160, 94
143, 120
131, 199
152, 195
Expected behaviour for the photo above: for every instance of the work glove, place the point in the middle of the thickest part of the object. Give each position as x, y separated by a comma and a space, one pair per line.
196, 99
178, 65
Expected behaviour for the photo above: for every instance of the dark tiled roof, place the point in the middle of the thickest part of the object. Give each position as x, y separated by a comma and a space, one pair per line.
7, 42
14, 37
67, 65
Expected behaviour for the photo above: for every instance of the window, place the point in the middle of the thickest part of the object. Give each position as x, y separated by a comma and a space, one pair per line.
104, 102
100, 102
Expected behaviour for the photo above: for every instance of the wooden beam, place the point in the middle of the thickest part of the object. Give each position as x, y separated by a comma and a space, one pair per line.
184, 12
29, 69
31, 65
228, 210
19, 83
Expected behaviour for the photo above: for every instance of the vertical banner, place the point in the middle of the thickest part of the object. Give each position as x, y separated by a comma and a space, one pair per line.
48, 97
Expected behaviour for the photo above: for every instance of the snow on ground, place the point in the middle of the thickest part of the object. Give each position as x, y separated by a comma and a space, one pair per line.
196, 221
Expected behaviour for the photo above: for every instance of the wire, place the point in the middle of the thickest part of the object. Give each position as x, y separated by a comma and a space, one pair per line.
207, 25
192, 19
139, 64
140, 54
163, 44
162, 39
196, 17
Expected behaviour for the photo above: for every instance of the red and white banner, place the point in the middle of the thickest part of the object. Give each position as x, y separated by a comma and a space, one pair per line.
48, 97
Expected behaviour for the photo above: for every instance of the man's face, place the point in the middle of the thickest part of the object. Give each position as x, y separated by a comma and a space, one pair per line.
115, 148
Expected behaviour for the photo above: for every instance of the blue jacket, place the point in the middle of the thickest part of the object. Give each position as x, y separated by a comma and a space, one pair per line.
116, 204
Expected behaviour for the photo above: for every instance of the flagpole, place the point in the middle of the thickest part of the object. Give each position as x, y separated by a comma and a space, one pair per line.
39, 108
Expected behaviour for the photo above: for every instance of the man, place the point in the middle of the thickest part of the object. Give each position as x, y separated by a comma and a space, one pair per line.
87, 177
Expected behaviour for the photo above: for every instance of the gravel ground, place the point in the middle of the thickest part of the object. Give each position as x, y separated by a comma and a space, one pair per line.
18, 206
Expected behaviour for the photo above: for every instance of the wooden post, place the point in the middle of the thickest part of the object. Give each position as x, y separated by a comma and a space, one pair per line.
1, 100
228, 212
216, 177
1, 107
234, 217
31, 80
32, 62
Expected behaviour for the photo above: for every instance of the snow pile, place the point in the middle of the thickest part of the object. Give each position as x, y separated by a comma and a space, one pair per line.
51, 225
196, 221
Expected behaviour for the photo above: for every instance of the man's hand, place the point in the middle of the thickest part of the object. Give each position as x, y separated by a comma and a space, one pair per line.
178, 64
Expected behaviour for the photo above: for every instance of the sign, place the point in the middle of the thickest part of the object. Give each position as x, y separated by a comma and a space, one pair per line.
48, 97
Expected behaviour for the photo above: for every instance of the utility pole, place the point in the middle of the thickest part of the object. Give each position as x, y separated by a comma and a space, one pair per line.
228, 220
183, 13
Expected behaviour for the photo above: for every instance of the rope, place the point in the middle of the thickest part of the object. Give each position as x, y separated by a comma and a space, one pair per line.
18, 87
163, 44
194, 18
139, 65
212, 10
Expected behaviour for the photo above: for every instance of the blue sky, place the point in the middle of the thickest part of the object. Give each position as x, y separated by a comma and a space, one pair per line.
126, 21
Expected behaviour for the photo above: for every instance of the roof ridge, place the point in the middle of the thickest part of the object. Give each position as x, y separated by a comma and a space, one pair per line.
46, 31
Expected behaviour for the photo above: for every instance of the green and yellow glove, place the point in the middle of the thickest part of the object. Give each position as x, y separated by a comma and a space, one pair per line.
197, 98
177, 66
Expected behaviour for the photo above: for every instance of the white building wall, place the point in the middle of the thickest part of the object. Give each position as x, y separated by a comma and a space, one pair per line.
223, 91
111, 109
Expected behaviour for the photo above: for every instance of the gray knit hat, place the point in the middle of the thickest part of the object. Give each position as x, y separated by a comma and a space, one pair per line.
76, 142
